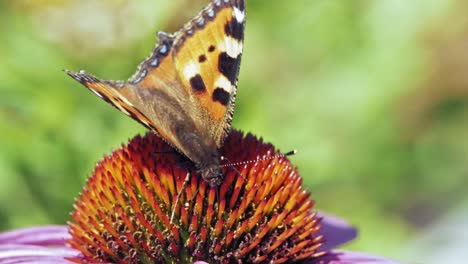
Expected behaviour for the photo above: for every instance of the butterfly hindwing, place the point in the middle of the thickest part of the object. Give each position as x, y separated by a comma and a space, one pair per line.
207, 55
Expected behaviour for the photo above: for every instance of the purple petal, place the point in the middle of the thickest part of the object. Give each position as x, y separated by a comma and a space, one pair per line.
36, 260
349, 257
30, 254
335, 231
45, 236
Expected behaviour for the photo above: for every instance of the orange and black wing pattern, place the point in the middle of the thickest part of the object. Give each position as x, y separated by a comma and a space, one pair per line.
188, 83
207, 56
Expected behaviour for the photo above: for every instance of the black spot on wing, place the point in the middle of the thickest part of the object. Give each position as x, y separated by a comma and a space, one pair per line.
220, 95
197, 83
202, 58
229, 67
211, 48
234, 29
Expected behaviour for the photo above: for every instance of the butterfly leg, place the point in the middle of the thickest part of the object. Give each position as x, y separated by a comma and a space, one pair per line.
174, 207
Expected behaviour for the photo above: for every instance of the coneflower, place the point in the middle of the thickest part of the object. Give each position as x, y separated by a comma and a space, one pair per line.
259, 214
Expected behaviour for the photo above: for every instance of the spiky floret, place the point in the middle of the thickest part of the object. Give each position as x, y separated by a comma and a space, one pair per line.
259, 214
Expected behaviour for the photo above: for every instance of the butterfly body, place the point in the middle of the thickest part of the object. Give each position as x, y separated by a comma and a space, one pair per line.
185, 91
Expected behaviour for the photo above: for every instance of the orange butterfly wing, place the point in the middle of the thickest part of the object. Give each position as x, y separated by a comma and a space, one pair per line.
192, 113
207, 57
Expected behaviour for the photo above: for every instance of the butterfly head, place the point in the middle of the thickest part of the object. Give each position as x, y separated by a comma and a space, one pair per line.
212, 174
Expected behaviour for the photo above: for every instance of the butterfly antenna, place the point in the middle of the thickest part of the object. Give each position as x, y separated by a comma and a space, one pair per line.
234, 164
174, 207
280, 155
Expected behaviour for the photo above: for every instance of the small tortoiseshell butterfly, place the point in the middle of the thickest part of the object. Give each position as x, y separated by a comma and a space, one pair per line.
185, 90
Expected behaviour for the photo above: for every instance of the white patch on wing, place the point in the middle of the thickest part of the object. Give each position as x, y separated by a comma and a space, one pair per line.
98, 94
223, 82
231, 46
239, 15
191, 69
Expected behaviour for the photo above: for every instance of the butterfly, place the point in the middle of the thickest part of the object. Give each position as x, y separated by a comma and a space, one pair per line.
185, 90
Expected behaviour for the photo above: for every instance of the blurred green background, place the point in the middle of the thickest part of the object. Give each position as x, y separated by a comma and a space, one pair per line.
373, 94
